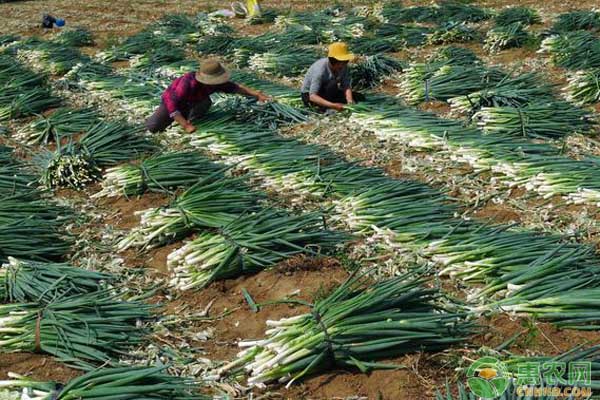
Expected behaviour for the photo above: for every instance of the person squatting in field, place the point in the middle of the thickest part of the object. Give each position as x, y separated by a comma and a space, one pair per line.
188, 97
327, 83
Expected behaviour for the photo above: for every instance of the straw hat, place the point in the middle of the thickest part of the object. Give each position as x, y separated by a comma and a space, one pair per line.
339, 51
211, 72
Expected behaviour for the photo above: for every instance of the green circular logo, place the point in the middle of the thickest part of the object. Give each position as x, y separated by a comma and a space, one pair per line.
488, 378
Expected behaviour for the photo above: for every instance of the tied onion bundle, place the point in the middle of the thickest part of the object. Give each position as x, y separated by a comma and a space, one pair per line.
78, 164
282, 63
249, 244
577, 20
83, 331
523, 15
106, 384
138, 44
51, 57
456, 56
32, 281
535, 120
424, 82
78, 37
14, 76
33, 240
583, 87
213, 202
414, 209
506, 37
155, 58
28, 205
512, 92
25, 102
216, 44
573, 50
353, 327
159, 173
62, 122
452, 33
372, 70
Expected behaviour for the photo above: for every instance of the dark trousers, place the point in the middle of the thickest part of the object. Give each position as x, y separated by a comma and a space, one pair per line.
331, 92
161, 120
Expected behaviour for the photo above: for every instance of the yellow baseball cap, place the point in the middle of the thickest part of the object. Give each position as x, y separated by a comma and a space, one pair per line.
339, 51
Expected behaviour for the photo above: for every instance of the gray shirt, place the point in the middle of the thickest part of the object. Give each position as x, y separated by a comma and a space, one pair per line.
319, 75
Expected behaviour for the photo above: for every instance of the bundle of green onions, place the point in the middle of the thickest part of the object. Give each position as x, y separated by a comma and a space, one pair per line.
372, 70
29, 205
450, 10
106, 384
33, 240
14, 177
370, 45
452, 33
573, 50
13, 75
43, 282
524, 15
577, 20
60, 123
140, 43
409, 207
155, 58
283, 63
78, 37
506, 37
51, 57
354, 326
511, 92
23, 102
249, 244
424, 82
213, 202
78, 164
8, 39
535, 120
83, 331
456, 56
159, 173
215, 44
583, 87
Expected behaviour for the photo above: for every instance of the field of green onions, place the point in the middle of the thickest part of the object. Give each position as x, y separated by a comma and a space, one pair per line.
281, 253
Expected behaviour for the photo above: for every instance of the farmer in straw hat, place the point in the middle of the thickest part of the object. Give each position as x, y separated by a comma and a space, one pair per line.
327, 82
188, 97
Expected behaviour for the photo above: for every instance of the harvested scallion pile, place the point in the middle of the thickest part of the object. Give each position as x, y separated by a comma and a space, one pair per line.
43, 282
249, 244
83, 331
159, 173
213, 202
358, 324
130, 382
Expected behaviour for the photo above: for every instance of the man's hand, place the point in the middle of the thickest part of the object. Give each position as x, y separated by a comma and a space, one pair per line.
189, 128
262, 98
338, 106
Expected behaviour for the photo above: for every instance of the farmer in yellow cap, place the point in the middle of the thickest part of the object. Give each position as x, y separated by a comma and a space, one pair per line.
188, 97
327, 82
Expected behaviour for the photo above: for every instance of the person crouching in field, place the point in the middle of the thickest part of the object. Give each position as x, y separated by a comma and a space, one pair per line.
327, 82
188, 97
